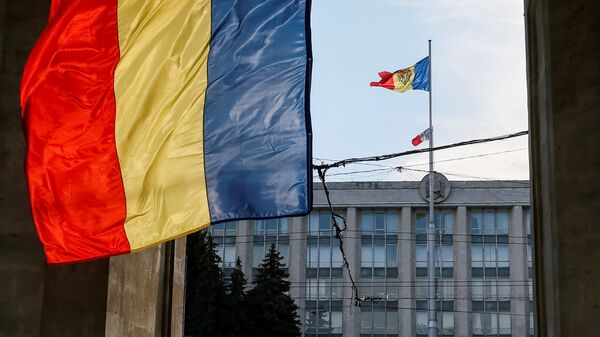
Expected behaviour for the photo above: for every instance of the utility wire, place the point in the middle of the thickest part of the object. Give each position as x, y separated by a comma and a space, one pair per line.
395, 239
406, 153
323, 168
467, 157
420, 164
326, 235
402, 168
465, 176
407, 286
454, 310
338, 233
382, 299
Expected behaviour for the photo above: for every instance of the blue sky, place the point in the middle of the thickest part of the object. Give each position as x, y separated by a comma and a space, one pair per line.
479, 84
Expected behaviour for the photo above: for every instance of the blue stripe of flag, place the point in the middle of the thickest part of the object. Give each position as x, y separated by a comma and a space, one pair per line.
422, 76
257, 134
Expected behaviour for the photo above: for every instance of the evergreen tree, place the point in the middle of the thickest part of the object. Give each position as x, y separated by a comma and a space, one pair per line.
236, 315
205, 293
270, 310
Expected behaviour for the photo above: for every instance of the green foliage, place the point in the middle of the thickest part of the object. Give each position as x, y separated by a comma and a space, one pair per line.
235, 303
205, 292
271, 311
267, 310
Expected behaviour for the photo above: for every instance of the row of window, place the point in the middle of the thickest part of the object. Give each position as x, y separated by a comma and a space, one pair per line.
482, 223
379, 260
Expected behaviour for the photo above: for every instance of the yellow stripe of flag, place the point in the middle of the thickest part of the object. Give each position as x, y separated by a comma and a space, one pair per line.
160, 85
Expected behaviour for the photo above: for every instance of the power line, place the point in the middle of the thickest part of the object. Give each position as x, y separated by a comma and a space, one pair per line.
381, 299
394, 239
466, 176
418, 282
322, 171
345, 162
338, 234
468, 157
419, 309
422, 164
362, 171
399, 169
376, 235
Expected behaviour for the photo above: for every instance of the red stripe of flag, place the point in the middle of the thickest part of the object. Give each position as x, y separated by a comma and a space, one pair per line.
417, 140
75, 183
386, 81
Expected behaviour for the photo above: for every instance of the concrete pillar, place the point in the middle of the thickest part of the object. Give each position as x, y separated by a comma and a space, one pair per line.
518, 272
75, 299
406, 274
563, 49
462, 274
35, 299
243, 246
3, 8
22, 265
298, 233
178, 295
135, 297
350, 312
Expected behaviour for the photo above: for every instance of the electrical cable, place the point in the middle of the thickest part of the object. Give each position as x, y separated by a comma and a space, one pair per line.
345, 162
322, 172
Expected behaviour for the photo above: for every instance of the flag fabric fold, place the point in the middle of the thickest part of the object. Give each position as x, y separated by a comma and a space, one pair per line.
415, 77
423, 136
146, 120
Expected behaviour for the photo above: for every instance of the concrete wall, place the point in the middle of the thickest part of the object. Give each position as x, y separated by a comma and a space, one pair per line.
368, 196
20, 250
406, 193
21, 262
563, 53
138, 289
35, 299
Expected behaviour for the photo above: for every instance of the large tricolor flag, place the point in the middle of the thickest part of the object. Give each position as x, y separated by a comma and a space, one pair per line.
150, 119
416, 77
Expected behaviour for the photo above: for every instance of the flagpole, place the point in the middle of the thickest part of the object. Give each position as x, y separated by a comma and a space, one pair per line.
432, 317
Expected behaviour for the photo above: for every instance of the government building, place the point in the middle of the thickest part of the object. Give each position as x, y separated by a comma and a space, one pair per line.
483, 259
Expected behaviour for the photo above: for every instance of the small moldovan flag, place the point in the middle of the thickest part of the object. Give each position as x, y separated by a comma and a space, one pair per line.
423, 136
415, 78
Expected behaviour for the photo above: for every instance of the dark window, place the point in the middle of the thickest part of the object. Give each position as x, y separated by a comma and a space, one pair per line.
504, 272
504, 306
491, 306
490, 272
477, 306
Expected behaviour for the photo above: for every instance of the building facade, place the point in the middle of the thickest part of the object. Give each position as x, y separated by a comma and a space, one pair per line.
483, 259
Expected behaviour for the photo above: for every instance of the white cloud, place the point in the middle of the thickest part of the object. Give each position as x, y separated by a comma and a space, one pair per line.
477, 10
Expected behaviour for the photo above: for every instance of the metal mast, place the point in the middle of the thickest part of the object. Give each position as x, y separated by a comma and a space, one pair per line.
431, 312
